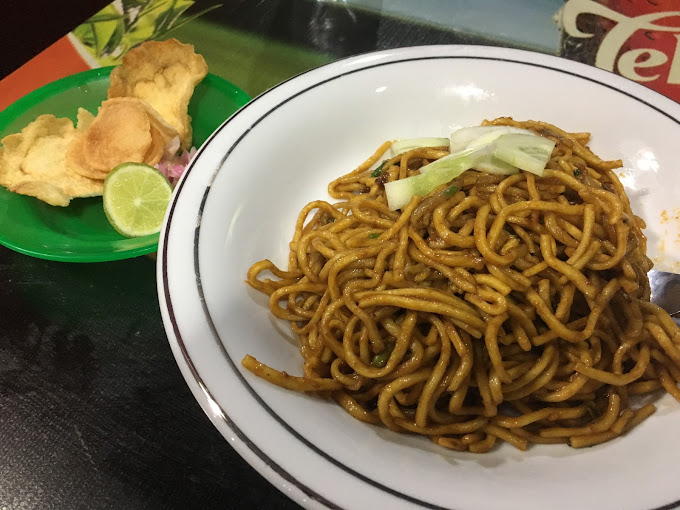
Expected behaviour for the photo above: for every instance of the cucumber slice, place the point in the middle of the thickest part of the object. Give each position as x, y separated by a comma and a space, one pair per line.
477, 136
399, 193
401, 146
470, 137
527, 152
494, 165
493, 149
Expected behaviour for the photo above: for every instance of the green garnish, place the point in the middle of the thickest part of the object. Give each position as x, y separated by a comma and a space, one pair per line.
329, 220
378, 171
401, 146
451, 190
373, 235
577, 172
526, 152
483, 148
380, 359
442, 171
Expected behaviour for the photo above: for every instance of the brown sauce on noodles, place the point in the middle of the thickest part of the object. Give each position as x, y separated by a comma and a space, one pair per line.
497, 307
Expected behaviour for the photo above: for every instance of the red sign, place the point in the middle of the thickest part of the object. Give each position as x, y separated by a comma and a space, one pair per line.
637, 39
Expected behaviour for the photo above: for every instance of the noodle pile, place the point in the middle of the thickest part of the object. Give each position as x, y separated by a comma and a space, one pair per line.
497, 307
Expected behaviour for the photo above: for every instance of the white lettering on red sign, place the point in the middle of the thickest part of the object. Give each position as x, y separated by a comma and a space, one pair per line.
632, 60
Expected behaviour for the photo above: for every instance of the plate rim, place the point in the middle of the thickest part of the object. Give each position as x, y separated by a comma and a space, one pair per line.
53, 88
242, 443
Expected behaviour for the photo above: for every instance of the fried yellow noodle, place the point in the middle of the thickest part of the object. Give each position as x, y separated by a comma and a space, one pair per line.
497, 307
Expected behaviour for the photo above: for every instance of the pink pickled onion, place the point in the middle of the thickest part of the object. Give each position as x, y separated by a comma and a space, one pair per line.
173, 167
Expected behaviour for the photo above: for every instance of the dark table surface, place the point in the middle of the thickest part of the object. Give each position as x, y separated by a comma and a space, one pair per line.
94, 412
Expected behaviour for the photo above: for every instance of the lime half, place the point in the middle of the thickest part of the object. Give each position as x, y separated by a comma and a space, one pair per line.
135, 199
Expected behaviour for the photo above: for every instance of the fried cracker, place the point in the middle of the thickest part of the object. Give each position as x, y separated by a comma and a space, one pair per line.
120, 133
164, 74
126, 130
164, 137
32, 162
85, 118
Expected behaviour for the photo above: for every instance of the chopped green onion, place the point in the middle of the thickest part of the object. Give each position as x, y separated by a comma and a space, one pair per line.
451, 190
380, 359
373, 235
378, 171
577, 172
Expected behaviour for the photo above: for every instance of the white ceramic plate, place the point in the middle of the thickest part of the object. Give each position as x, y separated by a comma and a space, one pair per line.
238, 203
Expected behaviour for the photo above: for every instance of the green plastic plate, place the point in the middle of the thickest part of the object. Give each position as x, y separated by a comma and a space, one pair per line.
81, 232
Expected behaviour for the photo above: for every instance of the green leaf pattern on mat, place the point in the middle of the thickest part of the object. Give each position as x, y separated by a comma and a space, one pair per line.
110, 33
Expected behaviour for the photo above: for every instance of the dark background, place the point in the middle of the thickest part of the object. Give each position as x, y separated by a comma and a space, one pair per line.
29, 26
94, 412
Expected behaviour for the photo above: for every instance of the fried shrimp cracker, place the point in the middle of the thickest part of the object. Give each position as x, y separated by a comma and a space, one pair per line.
32, 162
121, 132
125, 130
75, 159
164, 137
156, 149
164, 74
84, 119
